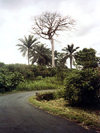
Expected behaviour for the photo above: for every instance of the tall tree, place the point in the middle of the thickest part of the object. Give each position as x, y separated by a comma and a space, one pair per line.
40, 55
47, 25
70, 52
26, 45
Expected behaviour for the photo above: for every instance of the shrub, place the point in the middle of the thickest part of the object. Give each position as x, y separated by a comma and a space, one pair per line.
60, 93
61, 74
81, 87
9, 80
16, 78
43, 71
25, 70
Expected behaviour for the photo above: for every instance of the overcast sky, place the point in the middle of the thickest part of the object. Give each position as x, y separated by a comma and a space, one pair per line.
16, 21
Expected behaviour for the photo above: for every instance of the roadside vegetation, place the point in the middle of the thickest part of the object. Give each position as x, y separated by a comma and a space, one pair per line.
19, 77
76, 94
87, 118
40, 84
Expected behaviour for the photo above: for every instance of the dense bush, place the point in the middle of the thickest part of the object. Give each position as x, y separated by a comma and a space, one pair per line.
25, 70
34, 76
8, 80
43, 71
87, 58
30, 72
61, 74
82, 86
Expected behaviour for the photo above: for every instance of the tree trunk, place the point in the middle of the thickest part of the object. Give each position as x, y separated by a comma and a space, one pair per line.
28, 56
52, 46
71, 62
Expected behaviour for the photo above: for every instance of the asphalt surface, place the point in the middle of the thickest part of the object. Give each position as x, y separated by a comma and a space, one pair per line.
18, 116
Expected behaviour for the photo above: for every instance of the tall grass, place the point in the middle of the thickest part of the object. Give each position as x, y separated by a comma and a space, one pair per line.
43, 84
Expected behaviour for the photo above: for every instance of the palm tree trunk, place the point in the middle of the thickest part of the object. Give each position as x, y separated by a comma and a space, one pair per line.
52, 45
28, 56
71, 62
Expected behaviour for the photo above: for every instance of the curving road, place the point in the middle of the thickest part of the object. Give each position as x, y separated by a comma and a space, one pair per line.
18, 116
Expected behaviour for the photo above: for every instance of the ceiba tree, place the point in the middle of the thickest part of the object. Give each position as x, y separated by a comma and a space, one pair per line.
47, 25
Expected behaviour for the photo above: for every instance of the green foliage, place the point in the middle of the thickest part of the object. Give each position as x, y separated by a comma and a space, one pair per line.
52, 80
87, 118
61, 74
70, 52
60, 93
30, 72
43, 71
25, 70
26, 45
2, 64
52, 72
41, 55
10, 75
86, 58
60, 59
8, 80
16, 78
82, 86
43, 84
39, 78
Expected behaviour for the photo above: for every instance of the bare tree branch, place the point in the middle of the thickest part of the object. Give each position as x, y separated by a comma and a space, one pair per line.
49, 25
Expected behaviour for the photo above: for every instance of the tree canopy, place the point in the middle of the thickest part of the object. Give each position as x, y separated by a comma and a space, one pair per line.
40, 55
70, 52
26, 45
86, 58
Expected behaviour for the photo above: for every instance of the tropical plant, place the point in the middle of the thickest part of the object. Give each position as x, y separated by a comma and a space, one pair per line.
82, 87
41, 55
9, 81
60, 59
70, 52
26, 45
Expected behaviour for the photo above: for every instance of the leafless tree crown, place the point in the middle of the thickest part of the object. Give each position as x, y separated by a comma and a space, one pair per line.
49, 24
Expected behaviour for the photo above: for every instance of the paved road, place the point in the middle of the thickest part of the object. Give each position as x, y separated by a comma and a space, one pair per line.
18, 116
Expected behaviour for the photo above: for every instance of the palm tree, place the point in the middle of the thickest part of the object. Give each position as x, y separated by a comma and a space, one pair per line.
40, 55
60, 59
70, 51
26, 45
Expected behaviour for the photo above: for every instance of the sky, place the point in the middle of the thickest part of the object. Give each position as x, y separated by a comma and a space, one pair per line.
16, 20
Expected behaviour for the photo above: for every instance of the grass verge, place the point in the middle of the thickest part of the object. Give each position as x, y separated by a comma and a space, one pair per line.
88, 119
